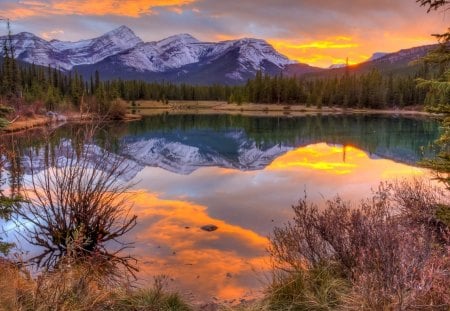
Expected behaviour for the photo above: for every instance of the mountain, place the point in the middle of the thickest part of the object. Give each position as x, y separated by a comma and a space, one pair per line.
401, 62
180, 58
334, 66
185, 59
377, 55
66, 55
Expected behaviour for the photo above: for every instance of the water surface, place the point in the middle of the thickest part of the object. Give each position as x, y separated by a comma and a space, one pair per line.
243, 174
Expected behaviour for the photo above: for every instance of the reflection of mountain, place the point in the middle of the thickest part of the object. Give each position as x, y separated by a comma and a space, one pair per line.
182, 144
184, 152
61, 155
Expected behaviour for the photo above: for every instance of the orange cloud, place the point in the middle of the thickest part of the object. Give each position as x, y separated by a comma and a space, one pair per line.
317, 45
323, 52
130, 8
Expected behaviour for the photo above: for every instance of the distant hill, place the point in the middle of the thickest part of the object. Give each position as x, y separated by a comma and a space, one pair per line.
401, 62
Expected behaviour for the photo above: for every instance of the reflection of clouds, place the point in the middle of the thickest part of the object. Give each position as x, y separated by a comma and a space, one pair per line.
320, 157
198, 260
246, 206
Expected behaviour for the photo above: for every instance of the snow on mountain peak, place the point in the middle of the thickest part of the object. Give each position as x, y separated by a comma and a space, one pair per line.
129, 50
255, 51
180, 38
121, 29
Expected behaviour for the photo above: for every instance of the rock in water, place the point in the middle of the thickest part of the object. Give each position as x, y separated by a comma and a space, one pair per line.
209, 228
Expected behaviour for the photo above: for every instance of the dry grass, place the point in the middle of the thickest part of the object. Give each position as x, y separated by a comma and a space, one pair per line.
79, 288
27, 123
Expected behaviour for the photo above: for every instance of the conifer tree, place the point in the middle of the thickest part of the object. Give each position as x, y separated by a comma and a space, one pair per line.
438, 96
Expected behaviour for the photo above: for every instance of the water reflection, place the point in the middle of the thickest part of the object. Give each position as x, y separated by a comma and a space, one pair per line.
170, 241
246, 206
184, 143
241, 174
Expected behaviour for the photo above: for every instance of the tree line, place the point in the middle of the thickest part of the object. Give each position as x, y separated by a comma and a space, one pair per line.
54, 89
29, 88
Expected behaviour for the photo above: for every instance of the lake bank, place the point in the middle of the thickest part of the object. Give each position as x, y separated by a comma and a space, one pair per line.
27, 123
271, 110
148, 108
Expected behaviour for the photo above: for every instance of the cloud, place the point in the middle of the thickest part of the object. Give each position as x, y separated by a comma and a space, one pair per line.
131, 8
318, 31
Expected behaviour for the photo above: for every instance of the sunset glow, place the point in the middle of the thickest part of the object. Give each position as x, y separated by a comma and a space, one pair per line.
319, 33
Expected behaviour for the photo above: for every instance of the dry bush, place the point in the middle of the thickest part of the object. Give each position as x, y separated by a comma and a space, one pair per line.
386, 247
117, 109
420, 205
31, 110
76, 204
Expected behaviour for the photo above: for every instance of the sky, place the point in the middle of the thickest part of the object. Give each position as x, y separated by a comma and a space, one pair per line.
317, 32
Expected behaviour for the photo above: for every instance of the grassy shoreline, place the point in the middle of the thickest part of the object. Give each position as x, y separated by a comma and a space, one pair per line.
27, 123
250, 109
143, 108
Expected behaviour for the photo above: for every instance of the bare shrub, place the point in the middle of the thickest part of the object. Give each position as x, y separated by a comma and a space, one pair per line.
76, 203
384, 247
117, 110
419, 204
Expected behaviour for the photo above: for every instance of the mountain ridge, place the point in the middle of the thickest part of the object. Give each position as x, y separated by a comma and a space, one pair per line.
182, 58
130, 54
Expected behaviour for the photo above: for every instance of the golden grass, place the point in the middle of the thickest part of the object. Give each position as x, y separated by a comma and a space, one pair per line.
27, 123
148, 107
79, 287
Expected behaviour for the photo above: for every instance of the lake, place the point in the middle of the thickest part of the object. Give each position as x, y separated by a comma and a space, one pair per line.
242, 174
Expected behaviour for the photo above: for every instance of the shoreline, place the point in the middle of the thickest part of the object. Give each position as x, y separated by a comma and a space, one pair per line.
270, 110
149, 108
39, 121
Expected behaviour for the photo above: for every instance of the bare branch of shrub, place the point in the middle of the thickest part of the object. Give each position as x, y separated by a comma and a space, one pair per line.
77, 203
392, 248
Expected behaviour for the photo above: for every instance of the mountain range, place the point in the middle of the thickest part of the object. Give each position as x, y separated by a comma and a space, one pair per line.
179, 58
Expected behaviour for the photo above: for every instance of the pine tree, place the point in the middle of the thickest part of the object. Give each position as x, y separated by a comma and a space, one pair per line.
438, 96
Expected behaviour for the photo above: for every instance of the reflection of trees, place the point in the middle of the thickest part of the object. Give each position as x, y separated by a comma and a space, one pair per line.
7, 204
367, 132
398, 138
76, 204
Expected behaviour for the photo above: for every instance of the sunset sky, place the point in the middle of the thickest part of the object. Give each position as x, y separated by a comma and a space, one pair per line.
317, 32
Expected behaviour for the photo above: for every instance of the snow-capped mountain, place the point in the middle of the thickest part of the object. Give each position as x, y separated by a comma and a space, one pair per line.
66, 55
177, 57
